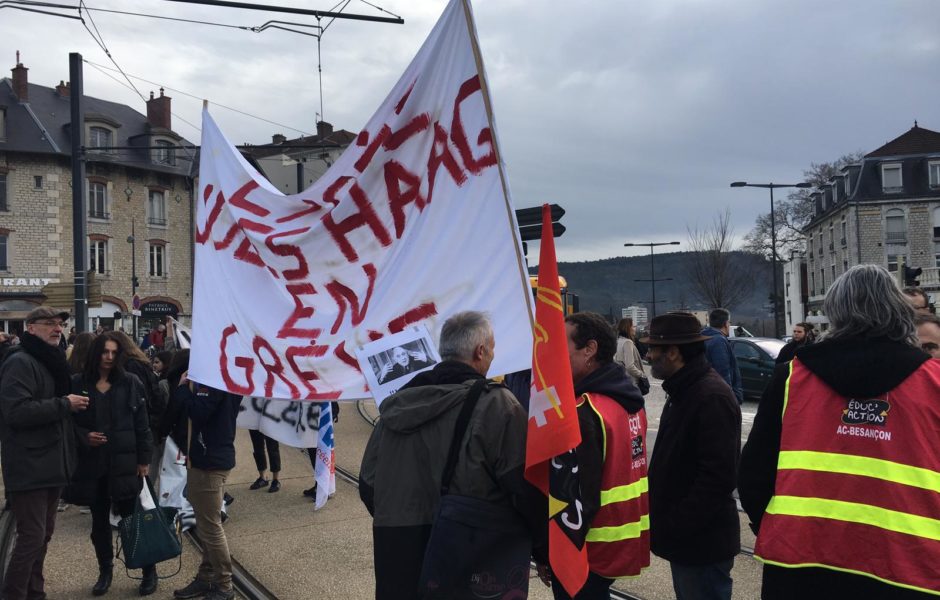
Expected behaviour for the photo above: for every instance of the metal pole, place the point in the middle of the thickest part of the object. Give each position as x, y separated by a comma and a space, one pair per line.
79, 214
133, 241
773, 260
300, 175
653, 279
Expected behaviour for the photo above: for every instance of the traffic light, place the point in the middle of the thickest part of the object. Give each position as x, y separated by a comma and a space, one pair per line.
135, 282
910, 276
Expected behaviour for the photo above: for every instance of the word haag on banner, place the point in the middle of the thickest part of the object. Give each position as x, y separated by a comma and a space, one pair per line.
412, 224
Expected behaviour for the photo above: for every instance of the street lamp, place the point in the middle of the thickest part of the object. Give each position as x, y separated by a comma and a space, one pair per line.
652, 278
773, 236
133, 242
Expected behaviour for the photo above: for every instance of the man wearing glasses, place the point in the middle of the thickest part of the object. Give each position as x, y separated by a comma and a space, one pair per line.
36, 444
919, 300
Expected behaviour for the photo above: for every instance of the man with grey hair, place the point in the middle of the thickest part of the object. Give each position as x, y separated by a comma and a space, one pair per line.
402, 469
838, 474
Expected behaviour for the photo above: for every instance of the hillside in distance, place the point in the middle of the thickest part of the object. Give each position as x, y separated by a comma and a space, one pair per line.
605, 286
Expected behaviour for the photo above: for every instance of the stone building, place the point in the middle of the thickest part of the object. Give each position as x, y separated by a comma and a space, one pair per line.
139, 195
883, 210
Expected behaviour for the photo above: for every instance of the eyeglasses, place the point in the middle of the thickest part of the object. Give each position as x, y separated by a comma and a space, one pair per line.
51, 323
929, 347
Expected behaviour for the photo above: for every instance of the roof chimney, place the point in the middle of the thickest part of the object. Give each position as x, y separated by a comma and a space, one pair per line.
324, 129
278, 138
63, 88
158, 111
20, 81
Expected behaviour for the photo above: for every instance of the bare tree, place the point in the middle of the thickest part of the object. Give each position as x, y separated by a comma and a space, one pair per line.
716, 277
794, 212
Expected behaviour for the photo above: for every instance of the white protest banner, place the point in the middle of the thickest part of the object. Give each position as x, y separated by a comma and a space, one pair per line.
412, 224
291, 422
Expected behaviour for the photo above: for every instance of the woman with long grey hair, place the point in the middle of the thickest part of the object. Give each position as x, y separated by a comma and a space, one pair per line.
826, 472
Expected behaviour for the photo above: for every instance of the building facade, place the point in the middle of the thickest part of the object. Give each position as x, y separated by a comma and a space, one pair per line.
298, 163
139, 195
883, 210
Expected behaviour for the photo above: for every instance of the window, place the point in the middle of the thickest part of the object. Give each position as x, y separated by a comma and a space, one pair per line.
98, 200
4, 253
845, 266
844, 236
936, 254
936, 220
3, 191
156, 208
832, 239
157, 260
835, 191
822, 280
37, 182
98, 256
745, 351
812, 283
891, 180
833, 271
164, 154
895, 226
848, 184
933, 167
99, 137
893, 261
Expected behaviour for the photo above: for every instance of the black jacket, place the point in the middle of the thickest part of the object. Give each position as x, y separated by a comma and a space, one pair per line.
789, 350
612, 381
851, 367
692, 474
121, 414
37, 443
213, 414
153, 393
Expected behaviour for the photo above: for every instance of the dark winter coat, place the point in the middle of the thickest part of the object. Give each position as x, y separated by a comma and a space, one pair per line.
121, 414
213, 414
789, 350
854, 368
402, 466
37, 444
153, 393
611, 381
693, 471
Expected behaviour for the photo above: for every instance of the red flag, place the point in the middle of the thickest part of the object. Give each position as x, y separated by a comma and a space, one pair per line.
553, 430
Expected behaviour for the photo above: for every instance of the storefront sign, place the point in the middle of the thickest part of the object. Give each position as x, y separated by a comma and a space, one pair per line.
158, 308
7, 283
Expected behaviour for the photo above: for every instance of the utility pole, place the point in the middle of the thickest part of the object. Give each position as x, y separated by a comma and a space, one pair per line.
79, 214
652, 278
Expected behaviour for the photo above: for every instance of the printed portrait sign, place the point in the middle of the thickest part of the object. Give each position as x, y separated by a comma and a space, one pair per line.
393, 361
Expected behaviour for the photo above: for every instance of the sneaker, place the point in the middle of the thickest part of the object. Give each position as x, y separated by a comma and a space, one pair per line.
259, 483
311, 492
195, 589
228, 499
62, 506
275, 486
217, 594
84, 510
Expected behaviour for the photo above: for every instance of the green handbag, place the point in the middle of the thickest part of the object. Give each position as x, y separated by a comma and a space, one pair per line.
149, 536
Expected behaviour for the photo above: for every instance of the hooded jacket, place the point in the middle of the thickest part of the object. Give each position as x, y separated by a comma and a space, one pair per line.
612, 381
852, 367
400, 475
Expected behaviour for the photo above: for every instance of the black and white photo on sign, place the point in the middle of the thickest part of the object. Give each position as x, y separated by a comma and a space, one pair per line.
391, 362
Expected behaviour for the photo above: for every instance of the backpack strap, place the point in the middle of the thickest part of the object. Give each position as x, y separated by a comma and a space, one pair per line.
460, 428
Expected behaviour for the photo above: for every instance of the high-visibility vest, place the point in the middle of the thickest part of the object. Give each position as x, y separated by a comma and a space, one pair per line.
858, 481
618, 541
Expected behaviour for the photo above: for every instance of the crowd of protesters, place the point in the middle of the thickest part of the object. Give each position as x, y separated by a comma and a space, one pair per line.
831, 503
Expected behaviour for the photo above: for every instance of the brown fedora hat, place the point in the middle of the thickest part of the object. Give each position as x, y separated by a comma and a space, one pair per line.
674, 329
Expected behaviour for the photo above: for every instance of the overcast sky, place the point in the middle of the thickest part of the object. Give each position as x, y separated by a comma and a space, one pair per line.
633, 115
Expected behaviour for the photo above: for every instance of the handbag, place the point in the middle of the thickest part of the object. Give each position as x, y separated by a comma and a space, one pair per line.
477, 549
644, 384
149, 535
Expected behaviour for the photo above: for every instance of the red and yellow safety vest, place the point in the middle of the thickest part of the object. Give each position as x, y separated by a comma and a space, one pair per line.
858, 481
618, 541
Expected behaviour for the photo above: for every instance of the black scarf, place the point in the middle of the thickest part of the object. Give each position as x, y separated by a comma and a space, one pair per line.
51, 357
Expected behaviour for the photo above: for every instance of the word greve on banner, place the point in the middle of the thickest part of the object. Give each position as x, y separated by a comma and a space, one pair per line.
412, 224
553, 433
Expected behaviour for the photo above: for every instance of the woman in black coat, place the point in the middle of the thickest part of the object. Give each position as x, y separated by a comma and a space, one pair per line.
114, 452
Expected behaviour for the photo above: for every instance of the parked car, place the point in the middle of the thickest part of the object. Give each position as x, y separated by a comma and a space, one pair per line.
756, 360
739, 331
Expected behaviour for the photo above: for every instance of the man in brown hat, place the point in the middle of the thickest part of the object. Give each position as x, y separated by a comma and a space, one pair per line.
36, 444
693, 515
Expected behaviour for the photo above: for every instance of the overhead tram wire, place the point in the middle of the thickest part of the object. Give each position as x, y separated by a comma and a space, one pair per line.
294, 11
200, 98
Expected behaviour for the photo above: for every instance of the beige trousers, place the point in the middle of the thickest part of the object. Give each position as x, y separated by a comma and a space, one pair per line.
205, 489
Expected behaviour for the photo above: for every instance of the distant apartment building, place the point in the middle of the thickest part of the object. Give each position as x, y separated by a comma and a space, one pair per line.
883, 210
638, 314
304, 159
138, 180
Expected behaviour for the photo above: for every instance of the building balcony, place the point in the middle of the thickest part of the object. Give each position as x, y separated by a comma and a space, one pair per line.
896, 237
930, 278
